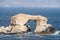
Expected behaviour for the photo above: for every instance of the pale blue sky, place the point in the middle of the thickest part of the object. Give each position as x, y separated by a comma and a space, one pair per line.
29, 3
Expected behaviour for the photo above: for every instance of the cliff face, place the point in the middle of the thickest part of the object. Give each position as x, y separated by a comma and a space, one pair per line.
17, 24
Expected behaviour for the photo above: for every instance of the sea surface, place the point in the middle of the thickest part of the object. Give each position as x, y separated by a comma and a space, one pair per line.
53, 15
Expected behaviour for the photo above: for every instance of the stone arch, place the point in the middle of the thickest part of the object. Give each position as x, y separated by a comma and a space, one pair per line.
18, 24
21, 19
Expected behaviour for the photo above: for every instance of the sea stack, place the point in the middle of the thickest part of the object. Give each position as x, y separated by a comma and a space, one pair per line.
18, 24
19, 21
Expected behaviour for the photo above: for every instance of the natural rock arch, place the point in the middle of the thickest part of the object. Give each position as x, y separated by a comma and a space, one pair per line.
18, 24
22, 19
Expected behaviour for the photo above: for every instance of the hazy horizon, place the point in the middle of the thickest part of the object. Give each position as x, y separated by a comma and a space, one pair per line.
30, 3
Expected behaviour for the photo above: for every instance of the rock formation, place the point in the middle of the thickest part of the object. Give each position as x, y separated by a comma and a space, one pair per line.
46, 29
18, 24
21, 19
2, 29
41, 23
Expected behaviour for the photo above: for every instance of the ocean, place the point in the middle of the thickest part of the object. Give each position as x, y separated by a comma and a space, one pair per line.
53, 15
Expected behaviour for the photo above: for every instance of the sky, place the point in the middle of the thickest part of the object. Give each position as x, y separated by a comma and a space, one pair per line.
29, 3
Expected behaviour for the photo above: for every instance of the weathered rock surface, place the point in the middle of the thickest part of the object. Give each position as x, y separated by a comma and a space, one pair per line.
41, 24
22, 19
18, 24
48, 30
2, 29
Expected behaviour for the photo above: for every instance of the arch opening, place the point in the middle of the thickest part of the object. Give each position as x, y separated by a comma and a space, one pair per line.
32, 25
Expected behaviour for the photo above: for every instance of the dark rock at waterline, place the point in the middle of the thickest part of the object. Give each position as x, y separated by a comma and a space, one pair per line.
59, 33
49, 30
